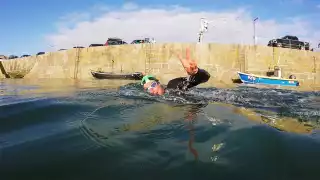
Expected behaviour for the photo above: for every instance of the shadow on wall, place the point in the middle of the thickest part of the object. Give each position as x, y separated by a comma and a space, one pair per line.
3, 71
18, 68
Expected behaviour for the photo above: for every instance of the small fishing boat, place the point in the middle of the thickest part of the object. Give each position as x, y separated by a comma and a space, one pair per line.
111, 75
257, 79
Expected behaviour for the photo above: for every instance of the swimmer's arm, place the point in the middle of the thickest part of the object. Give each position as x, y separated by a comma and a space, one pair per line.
189, 65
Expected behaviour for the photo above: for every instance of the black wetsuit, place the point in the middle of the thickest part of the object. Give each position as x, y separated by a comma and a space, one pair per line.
184, 83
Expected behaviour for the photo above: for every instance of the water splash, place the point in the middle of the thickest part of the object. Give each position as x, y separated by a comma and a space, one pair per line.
302, 105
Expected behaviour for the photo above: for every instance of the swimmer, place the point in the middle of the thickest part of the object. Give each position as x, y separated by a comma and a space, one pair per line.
195, 77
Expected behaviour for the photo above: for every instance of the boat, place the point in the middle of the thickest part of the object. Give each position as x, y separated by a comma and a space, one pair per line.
258, 79
111, 75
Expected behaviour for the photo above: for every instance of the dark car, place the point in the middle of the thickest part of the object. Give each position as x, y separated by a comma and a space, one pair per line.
13, 57
25, 55
40, 53
78, 47
289, 42
114, 41
61, 49
95, 45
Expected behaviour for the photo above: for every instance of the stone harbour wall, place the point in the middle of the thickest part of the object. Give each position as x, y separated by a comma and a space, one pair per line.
222, 61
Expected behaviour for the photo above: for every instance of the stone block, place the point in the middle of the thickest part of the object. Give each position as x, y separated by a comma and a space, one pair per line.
165, 66
155, 65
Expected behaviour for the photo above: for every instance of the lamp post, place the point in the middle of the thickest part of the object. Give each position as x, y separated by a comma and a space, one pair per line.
203, 28
204, 24
254, 30
51, 47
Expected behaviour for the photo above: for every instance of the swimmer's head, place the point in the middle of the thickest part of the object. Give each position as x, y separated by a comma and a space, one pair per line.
157, 90
152, 85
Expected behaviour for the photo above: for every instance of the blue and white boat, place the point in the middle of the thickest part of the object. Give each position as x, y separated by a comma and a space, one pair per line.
257, 79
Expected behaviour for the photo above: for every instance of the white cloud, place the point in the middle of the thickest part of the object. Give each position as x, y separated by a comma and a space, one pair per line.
292, 1
130, 6
173, 24
69, 20
298, 1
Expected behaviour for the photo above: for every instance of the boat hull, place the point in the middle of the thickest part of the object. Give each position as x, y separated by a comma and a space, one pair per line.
256, 79
109, 75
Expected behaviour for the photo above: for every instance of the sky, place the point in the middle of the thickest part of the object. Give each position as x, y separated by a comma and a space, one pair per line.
31, 26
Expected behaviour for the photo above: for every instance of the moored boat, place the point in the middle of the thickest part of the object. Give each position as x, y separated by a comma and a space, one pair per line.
258, 79
111, 75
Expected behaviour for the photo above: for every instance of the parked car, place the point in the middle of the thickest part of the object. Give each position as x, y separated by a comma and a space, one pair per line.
289, 42
3, 57
25, 55
95, 45
13, 57
114, 41
61, 49
145, 40
78, 47
138, 41
40, 53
